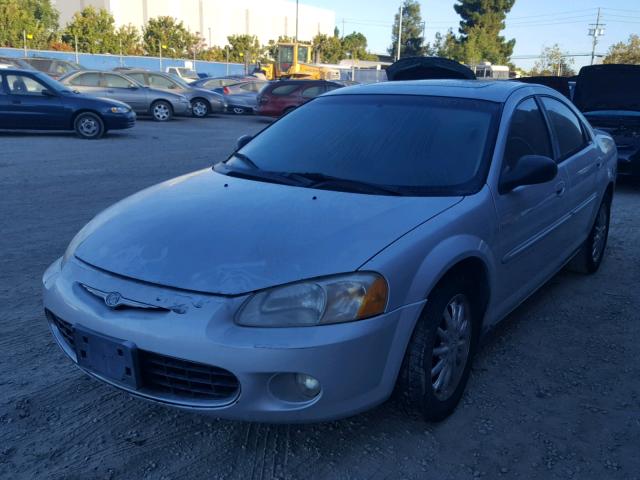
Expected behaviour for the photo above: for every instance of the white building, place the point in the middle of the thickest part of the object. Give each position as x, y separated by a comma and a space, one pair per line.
215, 20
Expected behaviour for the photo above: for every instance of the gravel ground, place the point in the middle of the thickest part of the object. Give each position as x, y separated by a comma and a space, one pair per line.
554, 392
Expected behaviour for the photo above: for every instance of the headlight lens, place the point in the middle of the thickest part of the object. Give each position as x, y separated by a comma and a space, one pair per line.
119, 110
337, 299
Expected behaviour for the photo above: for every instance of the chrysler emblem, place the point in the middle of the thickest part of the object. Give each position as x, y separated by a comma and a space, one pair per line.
113, 299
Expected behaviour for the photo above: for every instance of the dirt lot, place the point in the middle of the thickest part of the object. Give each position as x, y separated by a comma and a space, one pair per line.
554, 393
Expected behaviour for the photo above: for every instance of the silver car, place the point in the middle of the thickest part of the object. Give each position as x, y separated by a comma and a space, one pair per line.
160, 104
203, 101
364, 241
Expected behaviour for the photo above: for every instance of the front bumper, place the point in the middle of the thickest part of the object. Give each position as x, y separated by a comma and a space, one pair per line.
356, 363
119, 121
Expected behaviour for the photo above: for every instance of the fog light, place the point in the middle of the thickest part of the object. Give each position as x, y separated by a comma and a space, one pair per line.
309, 386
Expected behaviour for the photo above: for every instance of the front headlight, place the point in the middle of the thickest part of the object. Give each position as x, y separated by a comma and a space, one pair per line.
337, 299
119, 110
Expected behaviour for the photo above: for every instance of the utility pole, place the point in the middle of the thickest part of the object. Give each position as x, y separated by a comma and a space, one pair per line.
121, 62
296, 21
210, 37
160, 52
77, 56
399, 34
24, 38
596, 30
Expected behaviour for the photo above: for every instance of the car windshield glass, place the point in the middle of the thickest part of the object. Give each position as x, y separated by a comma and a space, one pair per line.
180, 82
419, 145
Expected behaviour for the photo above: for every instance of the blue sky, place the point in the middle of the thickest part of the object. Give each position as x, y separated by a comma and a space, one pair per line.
533, 23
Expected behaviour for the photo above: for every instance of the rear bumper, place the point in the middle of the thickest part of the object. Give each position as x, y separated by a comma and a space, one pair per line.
356, 363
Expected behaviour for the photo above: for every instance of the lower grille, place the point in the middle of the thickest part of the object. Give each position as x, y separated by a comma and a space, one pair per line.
65, 329
184, 378
162, 375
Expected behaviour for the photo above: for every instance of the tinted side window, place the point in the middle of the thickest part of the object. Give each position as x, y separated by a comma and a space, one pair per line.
115, 81
86, 80
528, 134
566, 127
284, 89
313, 92
23, 85
139, 77
158, 81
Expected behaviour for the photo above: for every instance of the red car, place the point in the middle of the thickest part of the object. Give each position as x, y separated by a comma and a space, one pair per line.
282, 96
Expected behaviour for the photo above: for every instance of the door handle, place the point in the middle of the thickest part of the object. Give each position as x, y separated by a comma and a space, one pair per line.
560, 188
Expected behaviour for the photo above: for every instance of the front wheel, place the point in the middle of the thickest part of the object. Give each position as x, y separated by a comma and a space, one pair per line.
89, 126
438, 359
590, 256
161, 111
199, 108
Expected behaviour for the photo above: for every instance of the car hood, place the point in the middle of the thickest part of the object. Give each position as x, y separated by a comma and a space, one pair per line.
212, 233
608, 87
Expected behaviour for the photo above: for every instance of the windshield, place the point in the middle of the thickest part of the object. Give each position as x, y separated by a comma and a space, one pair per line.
180, 82
418, 145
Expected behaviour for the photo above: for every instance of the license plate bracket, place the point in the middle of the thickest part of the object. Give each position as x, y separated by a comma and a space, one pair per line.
109, 357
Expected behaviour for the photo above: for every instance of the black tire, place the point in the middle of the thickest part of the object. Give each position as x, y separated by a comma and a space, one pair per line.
161, 111
200, 108
89, 126
590, 255
415, 387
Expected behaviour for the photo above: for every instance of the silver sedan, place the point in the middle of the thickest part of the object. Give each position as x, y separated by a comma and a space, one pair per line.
203, 101
364, 241
160, 104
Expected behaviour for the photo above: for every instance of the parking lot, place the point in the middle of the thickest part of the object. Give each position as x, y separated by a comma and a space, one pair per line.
554, 392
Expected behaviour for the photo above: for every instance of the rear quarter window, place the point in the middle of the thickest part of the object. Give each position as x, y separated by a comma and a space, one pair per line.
284, 90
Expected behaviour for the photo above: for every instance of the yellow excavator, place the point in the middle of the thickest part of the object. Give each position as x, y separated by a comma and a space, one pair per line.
293, 60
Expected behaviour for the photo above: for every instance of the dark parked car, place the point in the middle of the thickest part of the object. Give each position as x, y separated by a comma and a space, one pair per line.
160, 104
433, 68
52, 66
33, 101
203, 101
281, 97
609, 96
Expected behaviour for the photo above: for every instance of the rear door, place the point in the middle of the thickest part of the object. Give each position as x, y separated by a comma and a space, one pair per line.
579, 158
33, 105
6, 113
532, 219
119, 88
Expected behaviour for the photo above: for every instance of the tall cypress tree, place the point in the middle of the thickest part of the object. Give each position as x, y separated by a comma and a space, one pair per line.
480, 27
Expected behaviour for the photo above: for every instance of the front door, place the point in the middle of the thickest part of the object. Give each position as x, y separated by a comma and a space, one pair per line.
532, 218
119, 88
33, 105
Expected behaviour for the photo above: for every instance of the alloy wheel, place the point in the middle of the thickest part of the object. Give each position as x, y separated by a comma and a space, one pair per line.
199, 108
599, 233
88, 126
161, 112
451, 348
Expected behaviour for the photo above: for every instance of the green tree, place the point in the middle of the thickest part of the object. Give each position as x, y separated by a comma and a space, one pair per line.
480, 27
625, 52
244, 48
553, 61
327, 49
446, 46
213, 54
411, 38
37, 18
94, 29
171, 34
354, 46
129, 40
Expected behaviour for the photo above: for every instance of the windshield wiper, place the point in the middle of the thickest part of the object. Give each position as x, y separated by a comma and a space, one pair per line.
329, 182
256, 174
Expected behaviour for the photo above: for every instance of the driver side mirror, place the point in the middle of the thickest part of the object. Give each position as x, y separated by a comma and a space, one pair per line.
528, 170
48, 93
243, 140
132, 86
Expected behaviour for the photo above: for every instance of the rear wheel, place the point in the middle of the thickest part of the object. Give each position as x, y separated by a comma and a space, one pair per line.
238, 110
589, 258
161, 111
89, 126
199, 108
438, 359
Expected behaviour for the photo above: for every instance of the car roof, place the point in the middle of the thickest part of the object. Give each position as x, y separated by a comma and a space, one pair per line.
492, 90
20, 70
